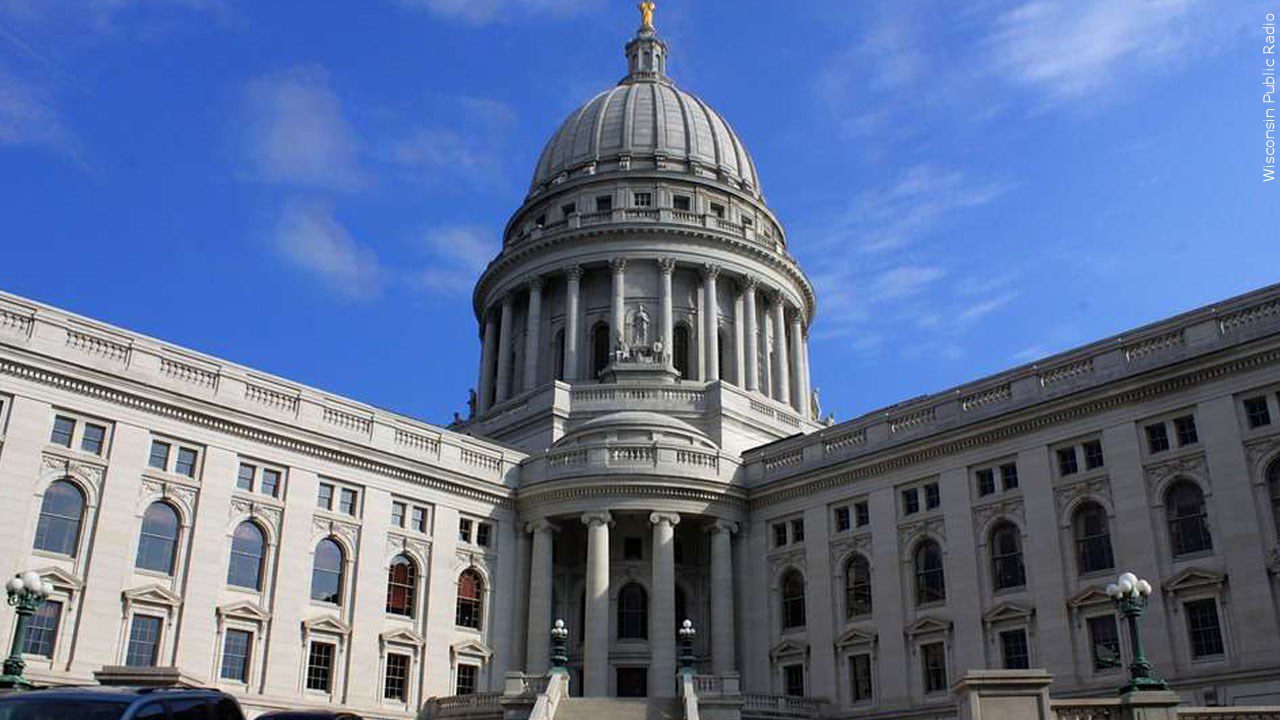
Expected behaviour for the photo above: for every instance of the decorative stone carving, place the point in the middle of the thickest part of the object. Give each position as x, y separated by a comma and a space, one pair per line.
322, 527
398, 543
793, 557
1158, 475
841, 547
1259, 452
909, 533
90, 475
985, 514
1066, 494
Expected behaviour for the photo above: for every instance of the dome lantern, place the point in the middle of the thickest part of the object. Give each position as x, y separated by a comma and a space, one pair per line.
646, 52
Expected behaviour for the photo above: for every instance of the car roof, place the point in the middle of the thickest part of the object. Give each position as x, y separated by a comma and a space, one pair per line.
118, 693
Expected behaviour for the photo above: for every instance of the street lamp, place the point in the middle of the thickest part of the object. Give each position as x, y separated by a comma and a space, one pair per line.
1130, 596
27, 592
687, 634
559, 640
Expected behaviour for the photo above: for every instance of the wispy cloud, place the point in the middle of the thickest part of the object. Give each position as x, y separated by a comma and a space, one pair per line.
481, 12
469, 149
456, 255
28, 117
310, 237
298, 134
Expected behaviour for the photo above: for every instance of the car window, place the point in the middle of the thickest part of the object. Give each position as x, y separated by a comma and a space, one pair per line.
188, 709
227, 709
150, 711
12, 708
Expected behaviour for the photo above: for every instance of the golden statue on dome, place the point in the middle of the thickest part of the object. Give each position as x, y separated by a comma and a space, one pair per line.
646, 14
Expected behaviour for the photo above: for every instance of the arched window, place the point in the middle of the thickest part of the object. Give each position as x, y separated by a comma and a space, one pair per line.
61, 511
633, 613
470, 599
1092, 534
1273, 487
792, 600
931, 584
1188, 519
680, 349
599, 349
248, 547
1007, 570
557, 353
326, 572
402, 586
857, 587
158, 542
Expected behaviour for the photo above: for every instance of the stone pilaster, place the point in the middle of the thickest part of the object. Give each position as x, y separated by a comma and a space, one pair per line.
537, 655
595, 646
667, 266
619, 306
662, 610
723, 651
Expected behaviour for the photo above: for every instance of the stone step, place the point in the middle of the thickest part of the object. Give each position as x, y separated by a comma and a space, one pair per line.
619, 709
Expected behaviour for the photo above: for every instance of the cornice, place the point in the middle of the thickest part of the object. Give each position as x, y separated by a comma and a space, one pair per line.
217, 424
540, 495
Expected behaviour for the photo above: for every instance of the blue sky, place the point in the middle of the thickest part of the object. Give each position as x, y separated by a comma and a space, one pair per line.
311, 189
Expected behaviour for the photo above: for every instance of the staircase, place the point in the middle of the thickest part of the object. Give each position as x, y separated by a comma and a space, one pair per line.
619, 709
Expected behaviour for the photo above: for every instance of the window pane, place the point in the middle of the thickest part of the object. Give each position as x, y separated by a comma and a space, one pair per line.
1009, 476
42, 629
1093, 539
986, 481
158, 541
466, 680
934, 666
235, 655
793, 676
779, 534
857, 587
144, 641
324, 496
932, 498
326, 574
862, 513
1013, 650
793, 610
347, 501
930, 580
186, 463
320, 667
1067, 461
402, 586
420, 519
1006, 557
1188, 519
58, 529
470, 599
910, 501
1186, 429
1104, 640
797, 530
633, 613
1256, 412
270, 482
397, 514
1157, 438
1093, 455
482, 534
244, 479
464, 530
395, 685
63, 429
860, 669
247, 548
842, 519
1202, 624
94, 435
159, 458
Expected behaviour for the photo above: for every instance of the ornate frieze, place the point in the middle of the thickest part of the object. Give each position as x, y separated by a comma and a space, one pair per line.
909, 533
983, 515
790, 557
89, 474
323, 526
242, 507
1159, 474
398, 543
843, 545
1065, 494
1260, 451
181, 494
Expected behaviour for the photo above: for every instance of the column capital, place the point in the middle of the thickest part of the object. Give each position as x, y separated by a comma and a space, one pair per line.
658, 518
667, 265
573, 272
508, 299
720, 525
749, 282
535, 283
710, 271
618, 264
541, 525
775, 297
599, 517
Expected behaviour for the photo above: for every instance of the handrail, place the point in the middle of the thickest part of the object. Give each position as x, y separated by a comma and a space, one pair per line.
544, 708
689, 691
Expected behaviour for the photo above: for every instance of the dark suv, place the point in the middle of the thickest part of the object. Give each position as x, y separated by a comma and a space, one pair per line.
119, 703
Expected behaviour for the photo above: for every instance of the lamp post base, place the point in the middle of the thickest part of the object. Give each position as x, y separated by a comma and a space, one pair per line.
1143, 684
15, 682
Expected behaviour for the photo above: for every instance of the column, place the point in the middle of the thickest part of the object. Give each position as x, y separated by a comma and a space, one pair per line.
806, 384
723, 653
782, 381
619, 267
484, 393
662, 607
538, 647
766, 355
666, 266
711, 321
799, 399
532, 334
573, 288
752, 334
738, 339
595, 645
504, 352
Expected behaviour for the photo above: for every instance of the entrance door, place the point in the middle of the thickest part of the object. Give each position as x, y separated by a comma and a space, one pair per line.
633, 682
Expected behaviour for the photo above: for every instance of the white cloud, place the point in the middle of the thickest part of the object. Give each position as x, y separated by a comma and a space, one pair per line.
29, 117
468, 148
311, 238
902, 282
456, 256
480, 12
298, 134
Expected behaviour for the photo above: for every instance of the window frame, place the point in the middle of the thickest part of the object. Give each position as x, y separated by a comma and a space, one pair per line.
311, 665
246, 660
156, 643
76, 436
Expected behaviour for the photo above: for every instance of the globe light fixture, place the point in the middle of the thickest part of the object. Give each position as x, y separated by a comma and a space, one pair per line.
26, 593
687, 633
559, 643
1130, 593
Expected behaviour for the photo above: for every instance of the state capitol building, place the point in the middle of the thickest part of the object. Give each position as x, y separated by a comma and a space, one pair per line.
644, 447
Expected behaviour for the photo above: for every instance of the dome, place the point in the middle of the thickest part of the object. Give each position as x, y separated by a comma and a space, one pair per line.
646, 123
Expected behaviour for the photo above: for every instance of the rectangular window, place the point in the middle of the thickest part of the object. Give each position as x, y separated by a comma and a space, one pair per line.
419, 519
186, 462
932, 498
860, 677
643, 199
466, 680
604, 203
797, 531
1202, 625
793, 679
986, 481
320, 667
1157, 438
568, 209
244, 479
1013, 650
482, 534
324, 497
862, 513
464, 530
842, 518
159, 458
42, 630
1185, 427
1009, 476
1104, 643
63, 428
1067, 461
144, 641
397, 514
718, 210
347, 501
395, 686
93, 439
270, 482
779, 534
235, 655
910, 501
933, 665
682, 202
1093, 454
1256, 412
632, 548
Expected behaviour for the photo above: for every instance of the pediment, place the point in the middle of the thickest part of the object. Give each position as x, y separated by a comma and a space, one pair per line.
1005, 612
1088, 597
472, 647
402, 636
152, 595
1193, 578
927, 625
60, 578
855, 636
326, 624
788, 648
244, 610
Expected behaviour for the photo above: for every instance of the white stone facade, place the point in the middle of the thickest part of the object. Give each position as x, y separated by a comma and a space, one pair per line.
652, 452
